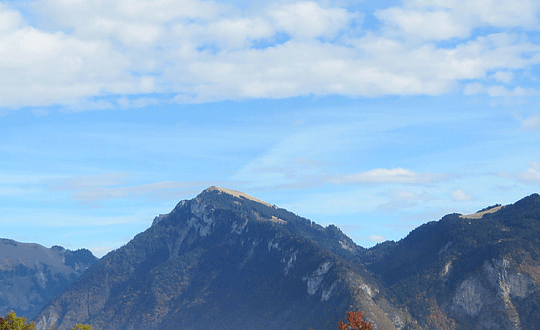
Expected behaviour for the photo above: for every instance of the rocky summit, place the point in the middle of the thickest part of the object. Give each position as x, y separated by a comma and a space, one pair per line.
226, 260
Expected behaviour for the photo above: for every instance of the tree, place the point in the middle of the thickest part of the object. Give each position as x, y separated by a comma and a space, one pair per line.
12, 322
356, 322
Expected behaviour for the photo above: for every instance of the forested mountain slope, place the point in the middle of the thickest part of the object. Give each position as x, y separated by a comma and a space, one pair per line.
225, 260
479, 271
31, 275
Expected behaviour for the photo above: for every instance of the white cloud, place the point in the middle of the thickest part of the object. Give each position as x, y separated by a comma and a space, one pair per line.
124, 19
9, 19
377, 238
532, 122
238, 32
501, 13
95, 188
503, 76
202, 51
447, 19
40, 68
374, 66
460, 195
400, 199
140, 102
309, 20
432, 25
531, 175
382, 175
498, 90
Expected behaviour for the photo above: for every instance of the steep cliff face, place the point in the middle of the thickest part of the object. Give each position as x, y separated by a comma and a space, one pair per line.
478, 271
223, 260
31, 275
490, 298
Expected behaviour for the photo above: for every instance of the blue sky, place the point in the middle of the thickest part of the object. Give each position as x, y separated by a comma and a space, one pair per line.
374, 116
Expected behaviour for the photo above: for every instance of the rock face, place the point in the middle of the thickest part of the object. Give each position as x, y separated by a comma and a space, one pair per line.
31, 275
225, 260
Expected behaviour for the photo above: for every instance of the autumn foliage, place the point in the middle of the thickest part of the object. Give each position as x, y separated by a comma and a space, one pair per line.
355, 322
13, 322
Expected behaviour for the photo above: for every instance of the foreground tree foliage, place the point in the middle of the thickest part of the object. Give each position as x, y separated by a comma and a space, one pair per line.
13, 322
355, 322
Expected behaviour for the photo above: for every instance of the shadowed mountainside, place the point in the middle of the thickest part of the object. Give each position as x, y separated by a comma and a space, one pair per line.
31, 275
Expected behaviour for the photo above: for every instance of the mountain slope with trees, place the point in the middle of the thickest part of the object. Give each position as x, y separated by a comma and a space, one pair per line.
31, 275
479, 271
225, 260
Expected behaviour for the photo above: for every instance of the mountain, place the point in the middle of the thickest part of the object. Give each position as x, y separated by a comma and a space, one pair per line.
223, 260
479, 271
31, 275
226, 260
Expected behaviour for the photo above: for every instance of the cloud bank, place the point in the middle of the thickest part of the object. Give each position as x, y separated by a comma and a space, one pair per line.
108, 54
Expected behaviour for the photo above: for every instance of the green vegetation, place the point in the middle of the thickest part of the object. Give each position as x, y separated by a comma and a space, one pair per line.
79, 326
13, 322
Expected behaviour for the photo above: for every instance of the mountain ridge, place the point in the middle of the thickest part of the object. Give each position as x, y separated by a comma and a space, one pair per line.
224, 260
31, 274
466, 268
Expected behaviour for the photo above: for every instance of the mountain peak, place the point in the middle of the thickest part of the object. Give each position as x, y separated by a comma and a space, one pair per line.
234, 193
245, 260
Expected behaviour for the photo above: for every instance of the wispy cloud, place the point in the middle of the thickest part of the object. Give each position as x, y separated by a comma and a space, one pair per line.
401, 199
393, 175
377, 238
460, 195
531, 122
293, 163
96, 188
530, 176
72, 219
499, 90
